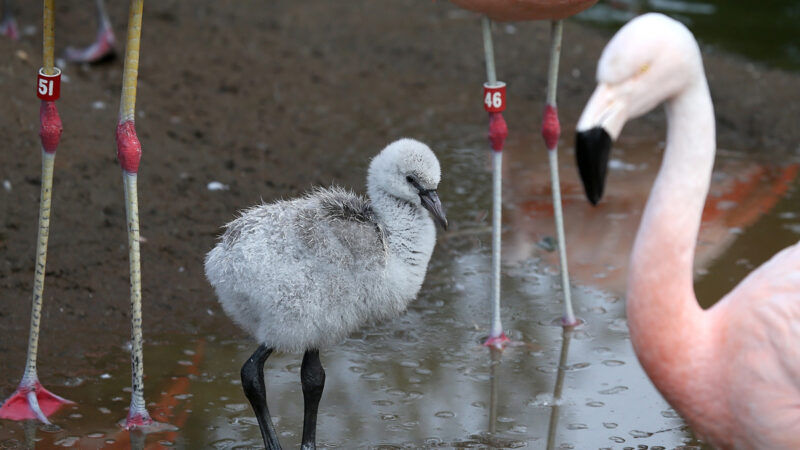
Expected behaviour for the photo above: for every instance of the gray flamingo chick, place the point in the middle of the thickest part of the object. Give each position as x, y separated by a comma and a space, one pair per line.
301, 274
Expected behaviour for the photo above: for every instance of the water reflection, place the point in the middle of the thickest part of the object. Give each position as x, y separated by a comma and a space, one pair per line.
495, 355
566, 338
29, 426
423, 379
600, 239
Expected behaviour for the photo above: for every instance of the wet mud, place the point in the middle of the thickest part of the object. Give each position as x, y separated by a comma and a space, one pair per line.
270, 98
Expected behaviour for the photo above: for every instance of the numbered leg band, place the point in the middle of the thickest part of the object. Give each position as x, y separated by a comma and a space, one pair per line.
48, 87
494, 97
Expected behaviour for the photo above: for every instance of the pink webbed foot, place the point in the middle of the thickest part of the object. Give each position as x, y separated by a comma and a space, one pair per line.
9, 28
138, 419
497, 342
32, 401
101, 49
564, 322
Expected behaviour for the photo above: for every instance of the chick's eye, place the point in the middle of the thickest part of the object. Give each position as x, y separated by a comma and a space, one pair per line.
410, 179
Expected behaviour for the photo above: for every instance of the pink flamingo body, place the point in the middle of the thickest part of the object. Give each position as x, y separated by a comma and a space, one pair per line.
732, 371
517, 10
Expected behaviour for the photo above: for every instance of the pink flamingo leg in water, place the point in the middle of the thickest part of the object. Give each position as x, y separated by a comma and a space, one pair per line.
498, 131
498, 342
31, 400
551, 131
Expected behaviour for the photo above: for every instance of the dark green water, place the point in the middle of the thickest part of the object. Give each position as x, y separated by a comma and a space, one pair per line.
768, 31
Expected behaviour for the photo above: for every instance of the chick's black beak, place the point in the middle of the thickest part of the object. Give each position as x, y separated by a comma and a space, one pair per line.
431, 202
592, 148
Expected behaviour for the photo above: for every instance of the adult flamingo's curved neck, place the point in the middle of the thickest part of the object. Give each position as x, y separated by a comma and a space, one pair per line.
668, 327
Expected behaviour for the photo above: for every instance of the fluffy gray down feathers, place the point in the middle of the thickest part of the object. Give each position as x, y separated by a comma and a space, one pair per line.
304, 273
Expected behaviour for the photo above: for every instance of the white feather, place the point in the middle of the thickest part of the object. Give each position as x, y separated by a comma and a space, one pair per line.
304, 273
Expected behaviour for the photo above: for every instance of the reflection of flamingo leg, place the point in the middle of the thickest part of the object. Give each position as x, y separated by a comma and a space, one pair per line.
102, 47
551, 131
566, 337
497, 338
31, 400
493, 373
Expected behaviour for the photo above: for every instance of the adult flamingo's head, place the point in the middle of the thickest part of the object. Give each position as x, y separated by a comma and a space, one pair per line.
648, 61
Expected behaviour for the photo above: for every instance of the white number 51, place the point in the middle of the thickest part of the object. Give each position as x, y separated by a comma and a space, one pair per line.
45, 86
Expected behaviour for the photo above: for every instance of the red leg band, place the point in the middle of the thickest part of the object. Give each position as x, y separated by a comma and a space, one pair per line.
50, 126
551, 129
498, 131
129, 150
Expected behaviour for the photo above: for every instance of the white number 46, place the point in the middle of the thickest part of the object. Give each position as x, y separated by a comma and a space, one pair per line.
492, 100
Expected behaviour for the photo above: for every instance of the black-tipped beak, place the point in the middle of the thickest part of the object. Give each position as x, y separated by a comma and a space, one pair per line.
431, 202
592, 148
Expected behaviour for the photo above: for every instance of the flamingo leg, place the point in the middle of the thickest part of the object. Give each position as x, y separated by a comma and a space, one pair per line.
497, 338
551, 131
31, 400
8, 22
103, 46
312, 375
137, 414
129, 151
256, 393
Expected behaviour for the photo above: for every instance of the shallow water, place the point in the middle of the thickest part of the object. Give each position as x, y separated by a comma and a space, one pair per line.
423, 380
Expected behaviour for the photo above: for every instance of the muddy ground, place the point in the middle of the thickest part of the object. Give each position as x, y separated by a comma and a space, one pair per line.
267, 98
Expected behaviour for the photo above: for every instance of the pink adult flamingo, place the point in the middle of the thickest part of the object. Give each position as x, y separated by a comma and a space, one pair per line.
732, 371
100, 49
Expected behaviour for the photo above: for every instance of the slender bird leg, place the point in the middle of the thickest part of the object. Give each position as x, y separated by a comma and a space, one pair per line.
256, 393
8, 24
129, 153
103, 46
31, 400
498, 130
312, 375
551, 130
